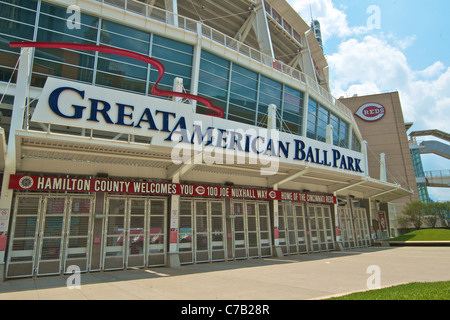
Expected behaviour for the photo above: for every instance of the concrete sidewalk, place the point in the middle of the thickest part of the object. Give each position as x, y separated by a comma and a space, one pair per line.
301, 277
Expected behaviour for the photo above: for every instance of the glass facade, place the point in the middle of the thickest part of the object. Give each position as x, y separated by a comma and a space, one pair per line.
244, 94
419, 173
318, 119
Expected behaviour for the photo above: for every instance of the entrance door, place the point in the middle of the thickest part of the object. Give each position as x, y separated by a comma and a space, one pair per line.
135, 233
361, 228
24, 237
251, 230
320, 228
49, 234
217, 231
201, 236
115, 234
77, 246
252, 233
157, 238
239, 231
201, 231
346, 227
265, 237
301, 228
328, 228
186, 232
313, 229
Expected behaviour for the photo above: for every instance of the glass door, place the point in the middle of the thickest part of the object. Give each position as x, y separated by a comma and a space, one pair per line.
217, 231
313, 230
282, 225
135, 233
253, 230
115, 235
239, 231
24, 237
328, 225
52, 236
78, 233
264, 230
291, 229
186, 232
201, 231
157, 237
301, 228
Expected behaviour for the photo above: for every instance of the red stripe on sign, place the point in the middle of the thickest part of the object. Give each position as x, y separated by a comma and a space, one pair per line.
126, 53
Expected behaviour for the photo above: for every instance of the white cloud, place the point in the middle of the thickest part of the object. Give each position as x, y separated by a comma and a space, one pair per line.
333, 21
373, 62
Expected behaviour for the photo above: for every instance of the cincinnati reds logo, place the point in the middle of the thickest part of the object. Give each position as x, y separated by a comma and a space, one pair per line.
371, 112
200, 190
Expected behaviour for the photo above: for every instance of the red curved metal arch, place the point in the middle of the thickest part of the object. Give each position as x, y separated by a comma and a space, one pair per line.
126, 53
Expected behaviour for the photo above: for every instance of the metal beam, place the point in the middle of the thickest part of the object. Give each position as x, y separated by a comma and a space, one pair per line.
261, 27
277, 181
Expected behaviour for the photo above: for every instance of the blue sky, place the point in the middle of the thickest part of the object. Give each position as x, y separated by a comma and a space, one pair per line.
408, 52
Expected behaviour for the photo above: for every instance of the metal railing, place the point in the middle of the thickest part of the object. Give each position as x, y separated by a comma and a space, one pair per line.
438, 174
190, 25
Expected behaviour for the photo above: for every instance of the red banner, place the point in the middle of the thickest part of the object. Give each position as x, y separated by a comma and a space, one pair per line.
68, 184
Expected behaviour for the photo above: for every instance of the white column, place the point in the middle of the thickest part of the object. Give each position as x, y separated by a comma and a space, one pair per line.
329, 134
277, 252
177, 87
261, 28
383, 176
174, 257
18, 113
305, 113
366, 157
196, 61
272, 117
172, 15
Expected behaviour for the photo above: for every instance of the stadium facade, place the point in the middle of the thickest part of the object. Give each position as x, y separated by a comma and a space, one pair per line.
160, 133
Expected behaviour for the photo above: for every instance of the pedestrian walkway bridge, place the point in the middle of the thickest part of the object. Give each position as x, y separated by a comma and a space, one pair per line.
439, 179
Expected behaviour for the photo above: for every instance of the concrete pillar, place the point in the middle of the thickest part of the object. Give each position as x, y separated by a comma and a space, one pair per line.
329, 134
383, 176
277, 252
173, 260
19, 106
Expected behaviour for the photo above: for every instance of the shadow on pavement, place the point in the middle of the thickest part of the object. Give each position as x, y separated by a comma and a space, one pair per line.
57, 281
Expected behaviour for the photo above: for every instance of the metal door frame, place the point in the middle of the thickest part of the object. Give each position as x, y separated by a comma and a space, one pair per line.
90, 230
269, 228
246, 231
39, 238
145, 231
209, 232
191, 233
233, 229
34, 250
328, 217
304, 230
42, 234
316, 229
105, 234
164, 230
126, 233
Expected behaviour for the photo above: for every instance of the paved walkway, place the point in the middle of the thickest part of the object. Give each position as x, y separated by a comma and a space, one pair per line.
301, 277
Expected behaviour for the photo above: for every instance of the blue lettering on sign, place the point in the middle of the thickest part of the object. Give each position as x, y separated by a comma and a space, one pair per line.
100, 110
